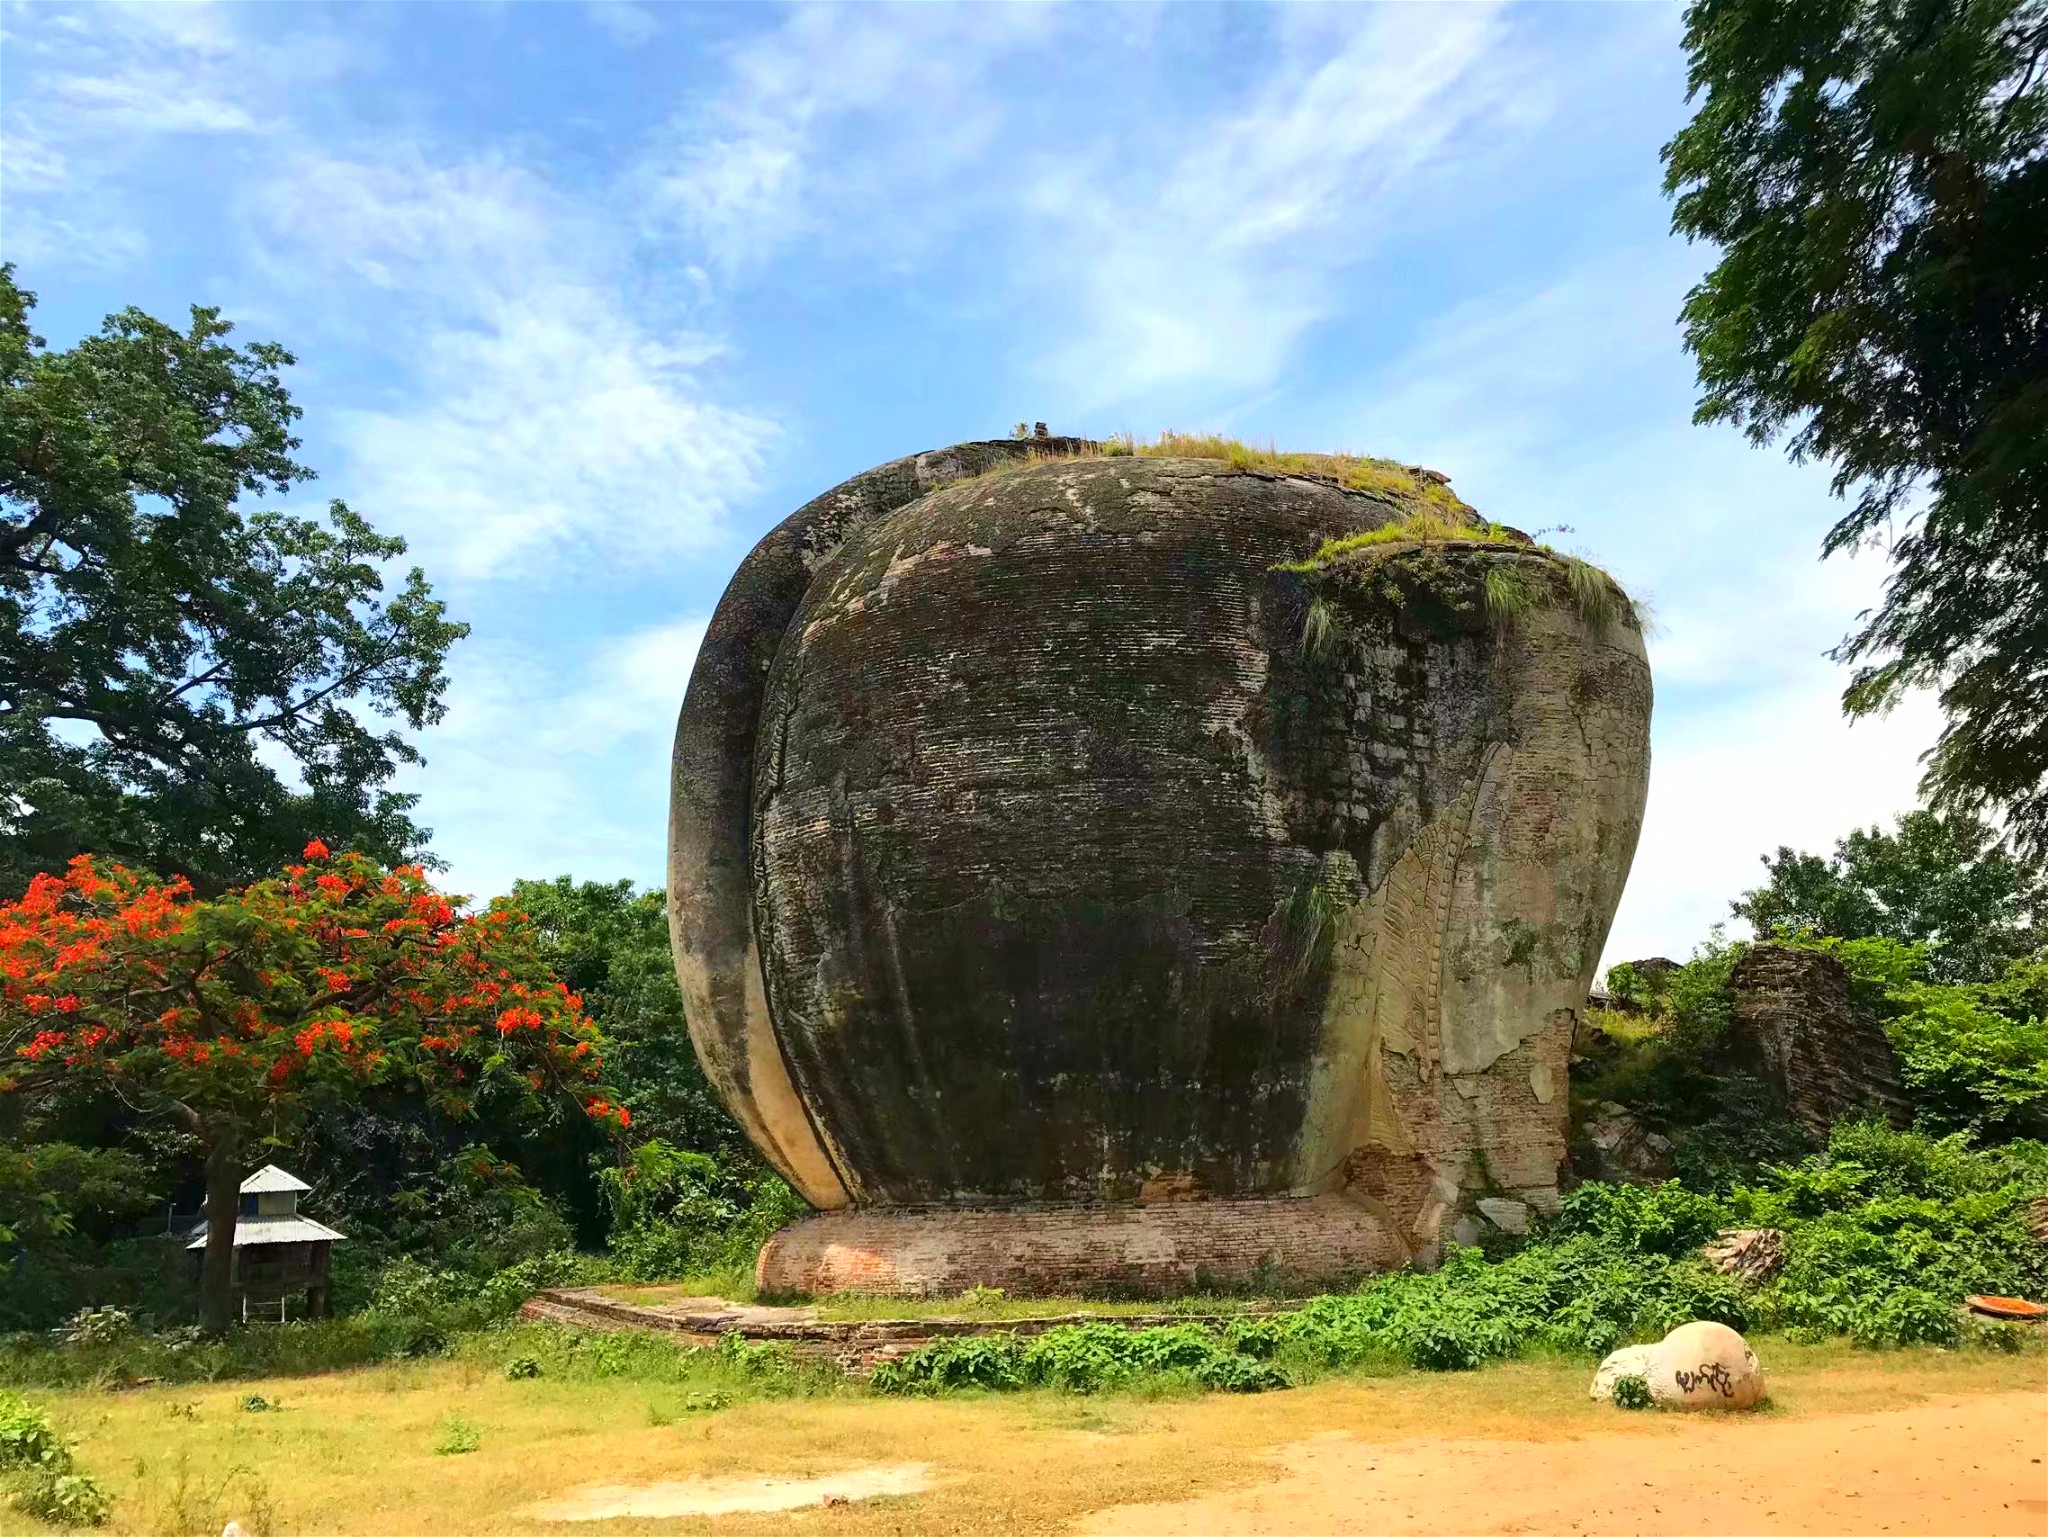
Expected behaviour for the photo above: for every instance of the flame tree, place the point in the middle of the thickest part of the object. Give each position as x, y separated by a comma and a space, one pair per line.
236, 1015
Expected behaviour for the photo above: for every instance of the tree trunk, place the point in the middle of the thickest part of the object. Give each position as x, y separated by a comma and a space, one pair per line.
223, 1207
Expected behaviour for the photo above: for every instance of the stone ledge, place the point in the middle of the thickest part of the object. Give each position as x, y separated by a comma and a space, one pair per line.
1132, 1251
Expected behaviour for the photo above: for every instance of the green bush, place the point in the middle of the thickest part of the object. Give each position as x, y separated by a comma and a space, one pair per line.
414, 1311
1079, 1358
1631, 1393
63, 1499
1973, 1056
457, 1437
1886, 1232
678, 1213
37, 1471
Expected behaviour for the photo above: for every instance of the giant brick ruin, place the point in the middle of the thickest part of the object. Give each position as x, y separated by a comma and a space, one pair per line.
1079, 885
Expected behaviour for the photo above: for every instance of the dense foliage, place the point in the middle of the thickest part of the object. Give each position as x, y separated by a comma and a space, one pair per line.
164, 645
234, 1016
679, 1213
1944, 882
1875, 173
1974, 1056
609, 943
1886, 1233
36, 1470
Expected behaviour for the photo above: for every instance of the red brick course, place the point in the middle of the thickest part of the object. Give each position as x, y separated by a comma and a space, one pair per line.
1119, 1251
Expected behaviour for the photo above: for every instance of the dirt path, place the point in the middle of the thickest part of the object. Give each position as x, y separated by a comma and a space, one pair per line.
1952, 1465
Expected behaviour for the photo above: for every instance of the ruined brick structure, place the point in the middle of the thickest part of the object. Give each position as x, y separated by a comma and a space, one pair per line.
1794, 1024
1076, 885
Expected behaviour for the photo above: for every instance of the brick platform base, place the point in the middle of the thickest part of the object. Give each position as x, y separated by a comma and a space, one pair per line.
1114, 1251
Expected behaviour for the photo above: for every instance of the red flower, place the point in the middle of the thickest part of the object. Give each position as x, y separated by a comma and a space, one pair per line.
316, 850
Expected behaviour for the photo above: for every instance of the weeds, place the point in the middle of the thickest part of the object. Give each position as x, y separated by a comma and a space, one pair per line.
1593, 594
1354, 472
415, 1312
1320, 628
1080, 1358
1509, 593
1309, 926
36, 1469
1425, 527
458, 1437
1886, 1233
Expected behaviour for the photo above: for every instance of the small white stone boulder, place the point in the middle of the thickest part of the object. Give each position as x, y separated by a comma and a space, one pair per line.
1705, 1366
1629, 1361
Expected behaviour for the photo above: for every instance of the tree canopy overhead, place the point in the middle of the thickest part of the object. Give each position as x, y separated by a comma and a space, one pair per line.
1876, 175
164, 644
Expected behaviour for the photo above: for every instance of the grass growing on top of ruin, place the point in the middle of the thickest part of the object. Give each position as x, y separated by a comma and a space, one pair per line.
1418, 528
1508, 590
1354, 472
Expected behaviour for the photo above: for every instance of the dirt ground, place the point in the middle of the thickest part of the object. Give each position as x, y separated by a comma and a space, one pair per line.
1961, 1465
1918, 1441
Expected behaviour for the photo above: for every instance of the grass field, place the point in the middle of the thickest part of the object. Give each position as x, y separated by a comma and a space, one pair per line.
356, 1451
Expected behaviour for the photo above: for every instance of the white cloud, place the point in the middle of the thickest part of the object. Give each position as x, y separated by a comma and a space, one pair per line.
1205, 261
545, 766
125, 70
847, 122
623, 22
546, 422
93, 91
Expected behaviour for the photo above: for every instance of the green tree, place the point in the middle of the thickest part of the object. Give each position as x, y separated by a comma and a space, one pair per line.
1875, 173
1943, 881
163, 644
610, 944
234, 1017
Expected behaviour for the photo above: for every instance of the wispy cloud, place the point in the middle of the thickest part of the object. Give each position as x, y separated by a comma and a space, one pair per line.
1203, 261
547, 418
849, 119
547, 765
127, 69
95, 90
625, 23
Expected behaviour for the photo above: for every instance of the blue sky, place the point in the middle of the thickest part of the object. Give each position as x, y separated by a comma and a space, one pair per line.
587, 297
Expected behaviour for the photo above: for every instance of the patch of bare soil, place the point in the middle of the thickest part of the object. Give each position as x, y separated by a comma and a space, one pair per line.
1950, 1465
735, 1496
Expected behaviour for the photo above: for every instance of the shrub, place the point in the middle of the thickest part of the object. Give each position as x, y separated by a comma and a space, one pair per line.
1079, 1358
457, 1437
36, 1467
1887, 1231
63, 1499
1968, 1066
1631, 1393
678, 1213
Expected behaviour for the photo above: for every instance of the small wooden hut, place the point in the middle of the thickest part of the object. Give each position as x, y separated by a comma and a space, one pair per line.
279, 1253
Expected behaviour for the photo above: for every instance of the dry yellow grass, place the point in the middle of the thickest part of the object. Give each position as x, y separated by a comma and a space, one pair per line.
352, 1452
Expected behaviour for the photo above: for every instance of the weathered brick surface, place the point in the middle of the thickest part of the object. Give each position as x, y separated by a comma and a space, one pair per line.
1794, 1023
1078, 879
1133, 1250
